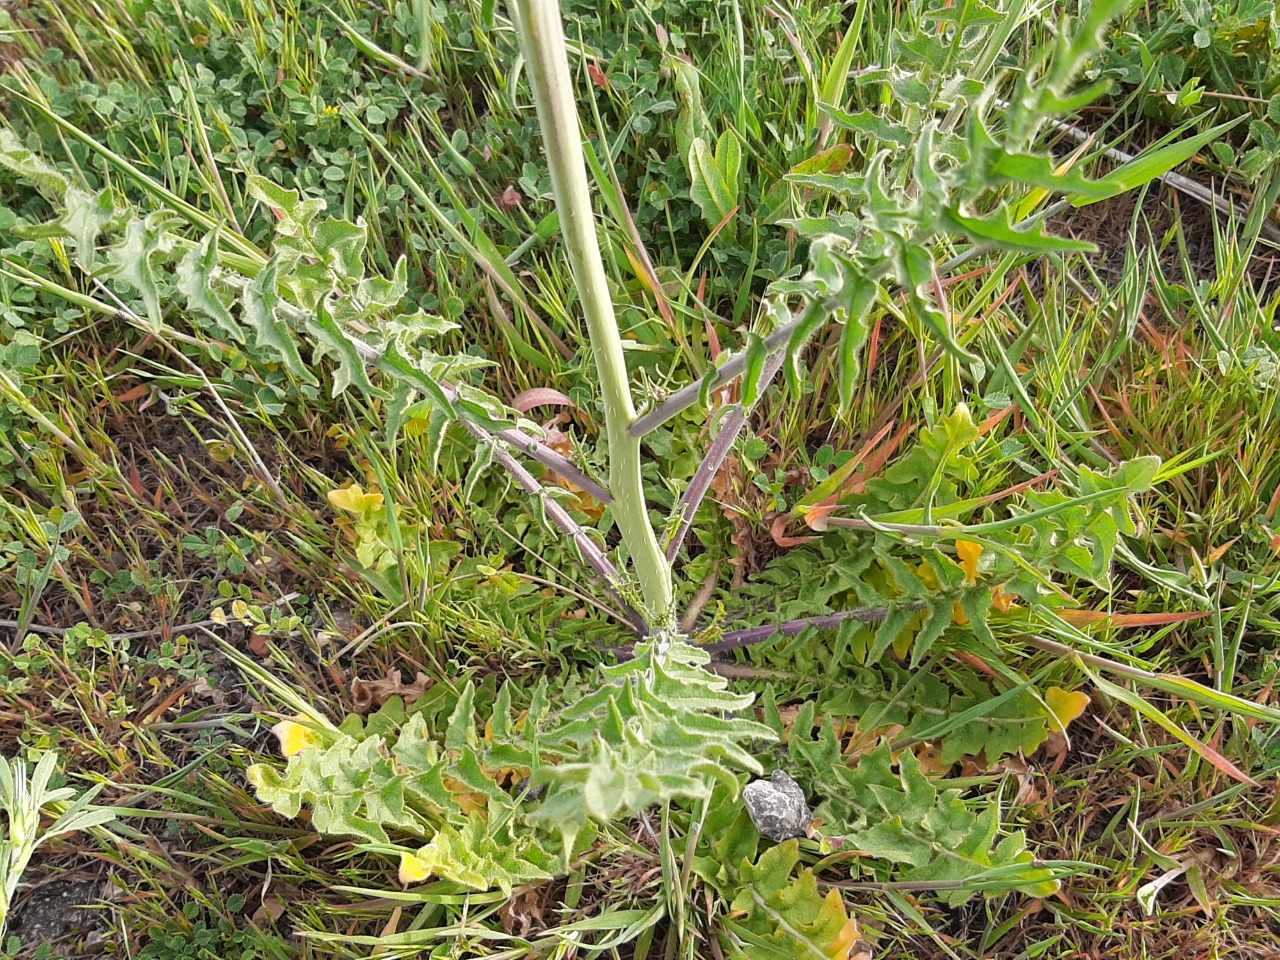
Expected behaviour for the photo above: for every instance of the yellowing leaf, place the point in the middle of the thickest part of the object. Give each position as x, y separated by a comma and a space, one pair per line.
415, 428
790, 918
1217, 553
969, 552
907, 636
295, 737
468, 800
638, 269
832, 912
414, 869
1065, 706
928, 575
715, 180
959, 428
353, 499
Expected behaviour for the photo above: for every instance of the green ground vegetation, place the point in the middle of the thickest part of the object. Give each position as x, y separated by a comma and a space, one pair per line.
1041, 458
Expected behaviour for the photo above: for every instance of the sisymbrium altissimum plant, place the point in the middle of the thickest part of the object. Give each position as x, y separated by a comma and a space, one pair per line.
504, 787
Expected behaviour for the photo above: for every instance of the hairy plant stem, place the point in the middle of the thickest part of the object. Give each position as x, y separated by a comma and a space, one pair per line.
543, 45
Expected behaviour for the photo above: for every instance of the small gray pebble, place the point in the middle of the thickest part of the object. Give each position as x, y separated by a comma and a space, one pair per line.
777, 807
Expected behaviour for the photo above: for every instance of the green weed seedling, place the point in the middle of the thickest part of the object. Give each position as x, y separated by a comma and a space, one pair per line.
27, 798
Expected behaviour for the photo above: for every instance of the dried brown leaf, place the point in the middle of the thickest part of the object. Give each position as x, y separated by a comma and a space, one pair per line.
531, 910
368, 695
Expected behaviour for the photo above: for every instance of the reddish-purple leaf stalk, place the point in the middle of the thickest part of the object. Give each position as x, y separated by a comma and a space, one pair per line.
590, 551
732, 425
555, 462
744, 638
535, 449
734, 367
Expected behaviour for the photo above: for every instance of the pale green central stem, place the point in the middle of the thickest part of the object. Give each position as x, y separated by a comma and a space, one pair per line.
542, 41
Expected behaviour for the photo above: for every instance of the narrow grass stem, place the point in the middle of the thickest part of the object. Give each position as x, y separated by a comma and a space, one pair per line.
932, 886
543, 44
1102, 663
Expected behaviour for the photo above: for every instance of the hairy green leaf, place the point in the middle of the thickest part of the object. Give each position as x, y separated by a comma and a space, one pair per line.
270, 332
196, 272
1156, 163
333, 339
133, 261
901, 817
996, 229
29, 165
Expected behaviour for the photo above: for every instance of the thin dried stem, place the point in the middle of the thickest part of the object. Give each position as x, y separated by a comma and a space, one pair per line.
1175, 181
1102, 663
